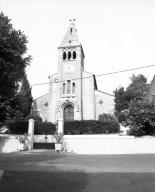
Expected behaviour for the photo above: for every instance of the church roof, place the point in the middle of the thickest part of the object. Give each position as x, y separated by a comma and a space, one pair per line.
71, 37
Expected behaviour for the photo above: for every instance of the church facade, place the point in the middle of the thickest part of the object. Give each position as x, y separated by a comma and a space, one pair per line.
73, 93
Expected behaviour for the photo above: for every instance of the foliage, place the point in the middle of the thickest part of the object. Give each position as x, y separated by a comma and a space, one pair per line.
58, 137
24, 98
18, 127
107, 117
90, 127
140, 117
36, 117
44, 128
136, 90
13, 61
23, 139
40, 128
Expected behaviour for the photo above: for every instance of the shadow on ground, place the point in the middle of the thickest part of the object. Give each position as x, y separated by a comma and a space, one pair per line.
77, 182
48, 171
43, 182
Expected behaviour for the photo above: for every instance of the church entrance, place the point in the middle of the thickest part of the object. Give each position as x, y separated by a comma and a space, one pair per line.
69, 113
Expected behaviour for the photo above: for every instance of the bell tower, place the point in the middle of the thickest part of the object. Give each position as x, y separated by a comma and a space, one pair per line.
70, 51
70, 68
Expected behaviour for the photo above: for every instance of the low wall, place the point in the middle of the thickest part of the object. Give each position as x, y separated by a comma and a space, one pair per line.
88, 144
44, 139
9, 143
109, 144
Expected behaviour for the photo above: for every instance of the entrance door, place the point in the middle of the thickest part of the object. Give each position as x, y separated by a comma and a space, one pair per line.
69, 113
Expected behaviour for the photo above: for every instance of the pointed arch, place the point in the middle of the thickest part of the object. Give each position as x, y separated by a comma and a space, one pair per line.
68, 113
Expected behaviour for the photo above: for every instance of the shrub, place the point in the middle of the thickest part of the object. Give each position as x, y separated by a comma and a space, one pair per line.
36, 117
40, 128
44, 128
90, 127
141, 117
2, 124
107, 117
18, 127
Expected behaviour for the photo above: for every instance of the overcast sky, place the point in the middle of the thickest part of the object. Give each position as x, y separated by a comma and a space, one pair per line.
115, 35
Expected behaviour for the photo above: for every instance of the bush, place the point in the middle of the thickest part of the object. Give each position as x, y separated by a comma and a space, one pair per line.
36, 117
106, 117
44, 128
18, 127
2, 124
40, 128
141, 117
90, 127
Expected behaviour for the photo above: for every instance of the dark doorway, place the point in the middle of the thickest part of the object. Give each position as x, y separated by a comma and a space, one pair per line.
69, 113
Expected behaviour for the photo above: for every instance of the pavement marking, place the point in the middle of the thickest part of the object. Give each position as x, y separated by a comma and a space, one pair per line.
1, 173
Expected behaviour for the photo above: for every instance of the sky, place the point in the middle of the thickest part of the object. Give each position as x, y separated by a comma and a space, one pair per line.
115, 35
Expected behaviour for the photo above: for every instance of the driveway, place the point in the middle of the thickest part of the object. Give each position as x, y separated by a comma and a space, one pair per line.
40, 170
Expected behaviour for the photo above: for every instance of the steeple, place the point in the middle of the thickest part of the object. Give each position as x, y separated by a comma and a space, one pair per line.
71, 37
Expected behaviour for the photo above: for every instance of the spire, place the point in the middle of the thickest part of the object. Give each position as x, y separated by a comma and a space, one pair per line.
71, 37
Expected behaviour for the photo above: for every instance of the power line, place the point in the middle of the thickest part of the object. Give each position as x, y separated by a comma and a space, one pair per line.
104, 74
126, 70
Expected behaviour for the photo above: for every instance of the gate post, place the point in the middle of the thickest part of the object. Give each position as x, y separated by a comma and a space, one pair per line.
31, 134
61, 125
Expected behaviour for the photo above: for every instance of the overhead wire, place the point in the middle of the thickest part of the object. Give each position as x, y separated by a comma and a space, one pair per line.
103, 74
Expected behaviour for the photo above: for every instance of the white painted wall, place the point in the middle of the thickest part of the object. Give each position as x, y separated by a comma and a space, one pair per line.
108, 144
44, 139
9, 143
88, 144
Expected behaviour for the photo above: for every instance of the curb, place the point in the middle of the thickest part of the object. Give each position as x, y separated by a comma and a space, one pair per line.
1, 174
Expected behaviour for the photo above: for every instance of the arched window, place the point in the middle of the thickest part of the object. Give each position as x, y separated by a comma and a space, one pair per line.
73, 88
69, 55
69, 113
74, 54
71, 30
64, 55
69, 87
64, 88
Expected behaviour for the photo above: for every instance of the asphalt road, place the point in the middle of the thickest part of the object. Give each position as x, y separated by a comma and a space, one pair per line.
40, 170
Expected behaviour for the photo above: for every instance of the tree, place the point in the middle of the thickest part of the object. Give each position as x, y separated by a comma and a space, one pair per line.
24, 98
13, 61
140, 117
136, 90
107, 117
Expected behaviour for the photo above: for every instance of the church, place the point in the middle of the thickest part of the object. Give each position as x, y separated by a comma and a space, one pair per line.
73, 92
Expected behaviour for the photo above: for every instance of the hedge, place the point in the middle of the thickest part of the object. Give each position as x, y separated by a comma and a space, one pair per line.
44, 128
40, 128
18, 127
90, 127
70, 127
